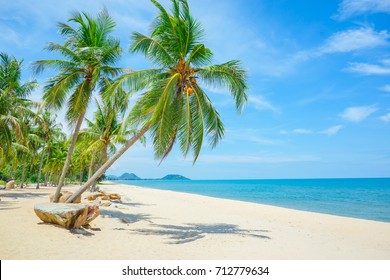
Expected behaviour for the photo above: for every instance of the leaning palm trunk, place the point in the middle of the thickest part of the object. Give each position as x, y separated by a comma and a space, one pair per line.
108, 164
100, 163
68, 157
40, 165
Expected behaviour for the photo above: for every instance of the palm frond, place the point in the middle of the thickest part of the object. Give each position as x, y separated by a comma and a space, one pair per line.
151, 48
161, 119
230, 75
78, 101
57, 88
214, 126
197, 123
63, 50
55, 64
200, 55
185, 126
111, 52
133, 81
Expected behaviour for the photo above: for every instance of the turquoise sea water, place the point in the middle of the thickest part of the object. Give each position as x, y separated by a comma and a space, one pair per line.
358, 198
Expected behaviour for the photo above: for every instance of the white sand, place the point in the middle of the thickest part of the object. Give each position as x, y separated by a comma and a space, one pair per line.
155, 224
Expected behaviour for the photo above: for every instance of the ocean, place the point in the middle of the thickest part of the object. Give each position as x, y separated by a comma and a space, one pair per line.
357, 198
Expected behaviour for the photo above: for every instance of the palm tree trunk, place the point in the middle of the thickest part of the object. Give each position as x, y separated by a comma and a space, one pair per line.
68, 157
90, 170
12, 169
53, 179
81, 174
23, 174
47, 174
40, 165
47, 178
100, 163
108, 164
56, 178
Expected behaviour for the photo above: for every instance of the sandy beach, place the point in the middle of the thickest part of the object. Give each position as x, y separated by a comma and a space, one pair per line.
154, 224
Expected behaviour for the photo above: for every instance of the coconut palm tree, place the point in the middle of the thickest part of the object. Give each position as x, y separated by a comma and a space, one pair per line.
105, 132
47, 128
89, 55
31, 143
57, 152
174, 106
78, 165
14, 105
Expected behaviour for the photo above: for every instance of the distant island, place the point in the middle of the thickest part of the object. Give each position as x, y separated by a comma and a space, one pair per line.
132, 176
174, 177
126, 176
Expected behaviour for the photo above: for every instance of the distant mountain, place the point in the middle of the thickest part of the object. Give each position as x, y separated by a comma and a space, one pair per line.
132, 176
174, 177
128, 176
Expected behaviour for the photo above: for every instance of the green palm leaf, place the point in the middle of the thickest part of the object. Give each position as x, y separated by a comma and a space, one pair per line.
230, 75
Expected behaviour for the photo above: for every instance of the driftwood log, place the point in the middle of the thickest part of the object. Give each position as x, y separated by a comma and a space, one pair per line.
68, 215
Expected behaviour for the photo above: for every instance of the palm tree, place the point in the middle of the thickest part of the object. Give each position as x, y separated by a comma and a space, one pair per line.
105, 132
89, 55
57, 152
47, 130
174, 106
30, 142
78, 165
14, 105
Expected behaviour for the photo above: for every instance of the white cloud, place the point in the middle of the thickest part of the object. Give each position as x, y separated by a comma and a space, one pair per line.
333, 130
249, 135
10, 38
302, 131
260, 103
329, 131
297, 131
358, 114
386, 88
369, 69
344, 42
354, 39
385, 61
385, 118
214, 89
349, 8
257, 159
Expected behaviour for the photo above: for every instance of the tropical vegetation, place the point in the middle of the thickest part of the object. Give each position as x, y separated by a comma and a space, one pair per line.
89, 55
171, 105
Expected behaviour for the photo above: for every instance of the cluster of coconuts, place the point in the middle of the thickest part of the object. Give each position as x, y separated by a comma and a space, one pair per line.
190, 90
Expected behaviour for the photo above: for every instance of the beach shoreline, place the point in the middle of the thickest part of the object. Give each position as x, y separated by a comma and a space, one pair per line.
160, 224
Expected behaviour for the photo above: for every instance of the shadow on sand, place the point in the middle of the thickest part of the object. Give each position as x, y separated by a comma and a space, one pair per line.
133, 204
124, 217
192, 232
13, 196
21, 194
85, 230
7, 205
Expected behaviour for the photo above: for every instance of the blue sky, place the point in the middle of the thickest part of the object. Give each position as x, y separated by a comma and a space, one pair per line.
319, 99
